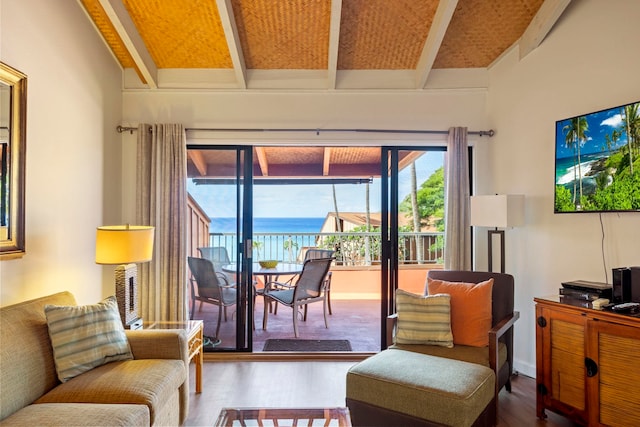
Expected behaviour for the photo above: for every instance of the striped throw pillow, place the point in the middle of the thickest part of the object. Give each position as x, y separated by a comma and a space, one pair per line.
423, 319
84, 337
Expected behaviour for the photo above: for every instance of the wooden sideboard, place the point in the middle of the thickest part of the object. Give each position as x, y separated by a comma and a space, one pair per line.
587, 363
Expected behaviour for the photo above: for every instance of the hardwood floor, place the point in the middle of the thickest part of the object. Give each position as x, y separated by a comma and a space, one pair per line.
320, 384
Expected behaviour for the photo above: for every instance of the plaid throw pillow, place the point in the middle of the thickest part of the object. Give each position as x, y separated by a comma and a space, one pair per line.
84, 337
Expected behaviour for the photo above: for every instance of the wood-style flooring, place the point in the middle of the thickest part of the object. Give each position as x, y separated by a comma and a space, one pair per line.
320, 384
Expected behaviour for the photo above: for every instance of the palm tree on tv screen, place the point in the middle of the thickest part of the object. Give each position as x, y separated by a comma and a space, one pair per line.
575, 135
631, 123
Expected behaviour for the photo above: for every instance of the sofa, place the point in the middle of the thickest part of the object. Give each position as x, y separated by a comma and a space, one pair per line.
149, 389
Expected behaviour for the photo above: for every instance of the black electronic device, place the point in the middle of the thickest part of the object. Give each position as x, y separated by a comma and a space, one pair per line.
581, 165
588, 289
621, 285
627, 307
635, 284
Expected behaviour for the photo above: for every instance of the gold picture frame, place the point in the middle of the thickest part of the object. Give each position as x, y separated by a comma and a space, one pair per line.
13, 125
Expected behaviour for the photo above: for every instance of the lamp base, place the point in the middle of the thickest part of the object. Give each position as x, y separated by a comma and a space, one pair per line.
500, 234
127, 292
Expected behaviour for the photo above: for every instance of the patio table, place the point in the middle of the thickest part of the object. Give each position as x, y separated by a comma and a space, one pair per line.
268, 274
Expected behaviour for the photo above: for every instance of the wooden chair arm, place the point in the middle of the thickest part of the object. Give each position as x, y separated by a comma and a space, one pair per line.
494, 335
392, 321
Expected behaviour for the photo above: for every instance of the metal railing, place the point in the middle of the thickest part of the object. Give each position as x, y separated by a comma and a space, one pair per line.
352, 249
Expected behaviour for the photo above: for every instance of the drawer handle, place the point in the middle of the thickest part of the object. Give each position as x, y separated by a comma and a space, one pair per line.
592, 367
542, 322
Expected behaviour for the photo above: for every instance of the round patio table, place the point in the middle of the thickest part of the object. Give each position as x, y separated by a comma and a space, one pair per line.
268, 274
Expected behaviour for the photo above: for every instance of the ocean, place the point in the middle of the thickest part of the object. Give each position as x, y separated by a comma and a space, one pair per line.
269, 225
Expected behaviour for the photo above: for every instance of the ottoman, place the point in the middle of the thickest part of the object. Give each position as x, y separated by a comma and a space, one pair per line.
398, 387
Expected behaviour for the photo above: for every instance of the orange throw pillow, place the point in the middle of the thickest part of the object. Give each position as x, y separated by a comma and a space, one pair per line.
470, 309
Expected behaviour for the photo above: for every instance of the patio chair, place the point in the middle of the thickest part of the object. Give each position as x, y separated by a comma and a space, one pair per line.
212, 287
314, 253
219, 256
309, 288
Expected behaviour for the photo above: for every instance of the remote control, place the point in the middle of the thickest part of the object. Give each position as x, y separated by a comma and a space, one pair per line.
626, 307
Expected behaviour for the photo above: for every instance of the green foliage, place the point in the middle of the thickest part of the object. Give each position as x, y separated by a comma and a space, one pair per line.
619, 191
430, 200
563, 201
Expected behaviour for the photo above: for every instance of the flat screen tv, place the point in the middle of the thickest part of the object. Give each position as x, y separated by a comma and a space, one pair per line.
598, 161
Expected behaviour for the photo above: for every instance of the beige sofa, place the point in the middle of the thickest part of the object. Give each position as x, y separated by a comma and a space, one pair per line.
151, 389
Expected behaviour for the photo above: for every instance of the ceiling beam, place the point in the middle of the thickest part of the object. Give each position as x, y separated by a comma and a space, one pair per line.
132, 40
262, 160
541, 24
326, 161
334, 43
225, 10
409, 158
439, 26
198, 161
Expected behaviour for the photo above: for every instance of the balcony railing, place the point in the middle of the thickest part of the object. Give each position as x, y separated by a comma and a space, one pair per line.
352, 249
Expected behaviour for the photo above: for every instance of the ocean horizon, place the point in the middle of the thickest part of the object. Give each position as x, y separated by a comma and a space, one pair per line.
270, 225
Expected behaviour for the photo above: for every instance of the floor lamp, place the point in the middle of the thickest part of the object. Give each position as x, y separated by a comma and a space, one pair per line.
497, 211
125, 245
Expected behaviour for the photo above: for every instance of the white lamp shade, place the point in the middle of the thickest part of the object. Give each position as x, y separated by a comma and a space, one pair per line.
500, 210
124, 244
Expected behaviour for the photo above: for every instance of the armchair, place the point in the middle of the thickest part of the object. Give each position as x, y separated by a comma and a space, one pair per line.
499, 353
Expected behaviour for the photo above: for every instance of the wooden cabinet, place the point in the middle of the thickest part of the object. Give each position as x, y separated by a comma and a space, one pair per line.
588, 364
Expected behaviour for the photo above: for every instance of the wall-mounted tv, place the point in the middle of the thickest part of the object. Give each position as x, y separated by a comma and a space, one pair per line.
598, 161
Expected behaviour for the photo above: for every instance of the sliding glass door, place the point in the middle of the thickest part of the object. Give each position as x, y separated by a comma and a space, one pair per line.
220, 187
379, 209
412, 191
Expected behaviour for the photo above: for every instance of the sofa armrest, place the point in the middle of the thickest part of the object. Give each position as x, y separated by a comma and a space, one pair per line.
164, 344
159, 344
494, 336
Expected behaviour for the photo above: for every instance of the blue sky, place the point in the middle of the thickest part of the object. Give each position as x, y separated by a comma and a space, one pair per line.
272, 201
600, 124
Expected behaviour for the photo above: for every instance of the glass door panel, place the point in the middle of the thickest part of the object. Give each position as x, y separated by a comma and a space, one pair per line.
221, 192
413, 220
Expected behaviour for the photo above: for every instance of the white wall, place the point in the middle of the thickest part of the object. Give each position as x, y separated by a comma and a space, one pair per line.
74, 103
588, 62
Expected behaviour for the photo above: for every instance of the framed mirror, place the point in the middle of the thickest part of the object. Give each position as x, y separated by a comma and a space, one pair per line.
13, 116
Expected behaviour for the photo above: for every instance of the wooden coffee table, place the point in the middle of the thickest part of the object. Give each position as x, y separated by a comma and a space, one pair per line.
335, 417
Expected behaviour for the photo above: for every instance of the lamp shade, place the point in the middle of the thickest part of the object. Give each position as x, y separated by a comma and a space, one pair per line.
500, 210
124, 244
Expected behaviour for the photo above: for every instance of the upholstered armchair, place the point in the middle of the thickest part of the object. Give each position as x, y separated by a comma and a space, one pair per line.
498, 355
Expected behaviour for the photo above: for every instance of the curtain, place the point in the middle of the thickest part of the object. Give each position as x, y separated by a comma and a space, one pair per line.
457, 233
161, 201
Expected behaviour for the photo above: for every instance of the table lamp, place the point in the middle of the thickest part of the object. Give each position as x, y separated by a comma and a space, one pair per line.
125, 245
498, 211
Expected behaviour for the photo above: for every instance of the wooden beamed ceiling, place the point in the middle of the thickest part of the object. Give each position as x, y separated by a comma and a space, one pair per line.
316, 44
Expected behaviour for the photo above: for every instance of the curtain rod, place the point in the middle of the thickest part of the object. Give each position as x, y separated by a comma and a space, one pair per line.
489, 132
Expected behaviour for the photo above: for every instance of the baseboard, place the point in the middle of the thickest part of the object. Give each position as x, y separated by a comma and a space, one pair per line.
524, 368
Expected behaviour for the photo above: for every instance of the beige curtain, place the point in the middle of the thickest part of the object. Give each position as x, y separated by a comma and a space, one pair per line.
457, 233
161, 201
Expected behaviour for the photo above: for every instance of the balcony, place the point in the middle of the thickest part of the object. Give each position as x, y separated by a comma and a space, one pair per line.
355, 287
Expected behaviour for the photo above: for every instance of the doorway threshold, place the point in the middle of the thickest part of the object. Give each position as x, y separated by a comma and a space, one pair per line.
275, 356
